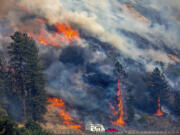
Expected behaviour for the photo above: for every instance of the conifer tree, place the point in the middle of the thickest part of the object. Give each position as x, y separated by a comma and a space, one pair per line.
28, 79
158, 87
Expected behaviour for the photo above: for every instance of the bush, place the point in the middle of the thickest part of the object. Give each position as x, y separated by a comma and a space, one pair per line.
9, 127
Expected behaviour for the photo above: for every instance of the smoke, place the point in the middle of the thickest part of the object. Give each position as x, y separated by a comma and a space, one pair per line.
148, 21
140, 34
87, 16
57, 13
73, 55
80, 77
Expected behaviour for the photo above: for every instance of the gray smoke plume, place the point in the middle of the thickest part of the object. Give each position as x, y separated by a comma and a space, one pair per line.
140, 34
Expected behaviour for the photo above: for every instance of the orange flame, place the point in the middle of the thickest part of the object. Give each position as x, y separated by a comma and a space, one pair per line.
42, 41
64, 34
67, 119
46, 38
119, 122
159, 112
67, 31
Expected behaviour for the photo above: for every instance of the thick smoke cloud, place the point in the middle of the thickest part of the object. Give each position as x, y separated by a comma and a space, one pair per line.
140, 34
82, 80
149, 22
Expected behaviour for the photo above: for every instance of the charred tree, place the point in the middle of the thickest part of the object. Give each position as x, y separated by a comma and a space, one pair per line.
158, 88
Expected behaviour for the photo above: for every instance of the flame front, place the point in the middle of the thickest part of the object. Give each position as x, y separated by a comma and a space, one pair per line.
67, 119
119, 112
64, 33
67, 31
159, 112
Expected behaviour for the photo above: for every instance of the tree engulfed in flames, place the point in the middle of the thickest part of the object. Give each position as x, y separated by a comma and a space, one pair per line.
119, 112
159, 112
67, 119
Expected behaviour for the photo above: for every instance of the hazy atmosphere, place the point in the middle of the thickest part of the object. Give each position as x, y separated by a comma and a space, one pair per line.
109, 62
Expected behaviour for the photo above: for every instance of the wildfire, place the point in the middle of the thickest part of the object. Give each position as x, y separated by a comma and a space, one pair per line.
42, 41
64, 33
67, 119
159, 112
46, 38
67, 31
119, 122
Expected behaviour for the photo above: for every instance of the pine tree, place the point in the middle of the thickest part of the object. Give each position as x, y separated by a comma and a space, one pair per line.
28, 80
35, 83
158, 87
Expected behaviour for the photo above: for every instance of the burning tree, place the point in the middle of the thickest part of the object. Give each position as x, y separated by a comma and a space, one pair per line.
119, 112
158, 89
28, 81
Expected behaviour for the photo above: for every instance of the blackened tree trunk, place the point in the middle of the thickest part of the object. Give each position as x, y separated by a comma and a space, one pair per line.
158, 88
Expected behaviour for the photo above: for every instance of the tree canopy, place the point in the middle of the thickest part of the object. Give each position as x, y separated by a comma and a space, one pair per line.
28, 82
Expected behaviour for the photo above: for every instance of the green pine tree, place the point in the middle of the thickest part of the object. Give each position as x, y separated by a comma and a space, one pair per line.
28, 80
35, 84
